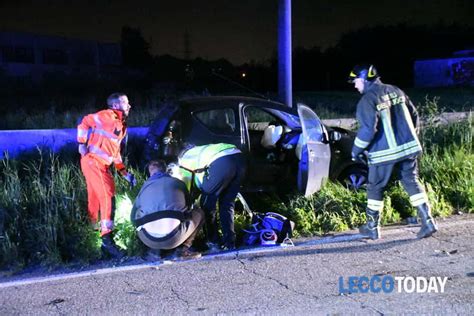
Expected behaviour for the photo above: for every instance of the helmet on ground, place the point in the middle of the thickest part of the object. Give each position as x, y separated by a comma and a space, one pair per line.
364, 71
268, 237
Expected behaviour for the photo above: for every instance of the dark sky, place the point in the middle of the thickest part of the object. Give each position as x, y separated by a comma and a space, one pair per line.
239, 30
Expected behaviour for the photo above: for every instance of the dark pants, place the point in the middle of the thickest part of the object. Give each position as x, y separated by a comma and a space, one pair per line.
379, 176
222, 183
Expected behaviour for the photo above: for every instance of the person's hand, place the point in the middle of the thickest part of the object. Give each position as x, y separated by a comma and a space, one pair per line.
358, 157
130, 179
83, 149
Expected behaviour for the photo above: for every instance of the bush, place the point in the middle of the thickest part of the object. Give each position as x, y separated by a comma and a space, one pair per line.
448, 163
333, 208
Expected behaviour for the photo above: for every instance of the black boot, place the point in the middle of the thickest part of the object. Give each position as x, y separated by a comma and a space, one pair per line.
109, 248
371, 229
428, 225
185, 253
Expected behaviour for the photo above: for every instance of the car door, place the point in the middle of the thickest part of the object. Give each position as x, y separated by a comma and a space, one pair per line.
316, 150
262, 173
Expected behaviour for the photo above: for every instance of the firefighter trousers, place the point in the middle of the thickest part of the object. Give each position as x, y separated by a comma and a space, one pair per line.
100, 193
407, 172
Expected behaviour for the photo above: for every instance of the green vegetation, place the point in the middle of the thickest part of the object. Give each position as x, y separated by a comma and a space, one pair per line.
43, 201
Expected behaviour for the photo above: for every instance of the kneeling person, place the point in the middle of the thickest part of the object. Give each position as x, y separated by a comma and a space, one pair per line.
161, 213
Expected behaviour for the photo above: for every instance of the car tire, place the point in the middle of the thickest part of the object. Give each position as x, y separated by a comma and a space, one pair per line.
354, 178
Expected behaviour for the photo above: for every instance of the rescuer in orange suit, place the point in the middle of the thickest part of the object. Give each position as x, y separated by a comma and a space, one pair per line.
99, 136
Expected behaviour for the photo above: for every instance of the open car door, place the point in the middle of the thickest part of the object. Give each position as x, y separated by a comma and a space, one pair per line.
316, 151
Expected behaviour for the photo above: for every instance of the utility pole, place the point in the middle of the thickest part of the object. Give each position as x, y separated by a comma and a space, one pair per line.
285, 88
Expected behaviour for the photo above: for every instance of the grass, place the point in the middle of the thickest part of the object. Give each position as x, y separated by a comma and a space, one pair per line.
43, 215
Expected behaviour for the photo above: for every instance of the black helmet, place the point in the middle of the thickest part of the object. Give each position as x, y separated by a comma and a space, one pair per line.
365, 71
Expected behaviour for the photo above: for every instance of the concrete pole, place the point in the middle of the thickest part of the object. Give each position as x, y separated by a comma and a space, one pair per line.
285, 88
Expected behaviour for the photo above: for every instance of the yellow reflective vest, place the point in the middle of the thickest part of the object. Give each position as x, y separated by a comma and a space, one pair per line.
200, 157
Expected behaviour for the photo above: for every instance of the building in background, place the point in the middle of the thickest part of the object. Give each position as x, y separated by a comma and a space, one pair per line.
35, 57
457, 70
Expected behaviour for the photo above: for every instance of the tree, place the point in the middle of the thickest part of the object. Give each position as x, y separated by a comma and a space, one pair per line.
135, 50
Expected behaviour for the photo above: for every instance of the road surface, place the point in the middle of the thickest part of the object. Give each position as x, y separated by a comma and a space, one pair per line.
304, 279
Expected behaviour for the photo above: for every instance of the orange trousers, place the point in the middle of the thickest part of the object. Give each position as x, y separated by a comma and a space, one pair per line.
100, 193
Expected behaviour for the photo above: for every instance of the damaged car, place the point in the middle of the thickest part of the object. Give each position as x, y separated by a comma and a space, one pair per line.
286, 148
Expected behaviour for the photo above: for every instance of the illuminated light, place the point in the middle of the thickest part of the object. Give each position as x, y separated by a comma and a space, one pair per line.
244, 75
123, 209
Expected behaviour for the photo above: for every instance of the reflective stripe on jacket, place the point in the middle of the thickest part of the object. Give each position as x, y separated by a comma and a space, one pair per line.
202, 156
388, 122
103, 133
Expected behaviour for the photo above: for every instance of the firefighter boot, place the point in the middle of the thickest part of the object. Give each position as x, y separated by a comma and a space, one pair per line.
109, 248
372, 228
428, 225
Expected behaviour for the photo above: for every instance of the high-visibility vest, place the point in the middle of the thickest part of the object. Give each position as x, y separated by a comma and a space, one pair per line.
200, 157
103, 133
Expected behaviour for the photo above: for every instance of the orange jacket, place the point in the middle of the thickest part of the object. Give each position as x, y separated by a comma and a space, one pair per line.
103, 132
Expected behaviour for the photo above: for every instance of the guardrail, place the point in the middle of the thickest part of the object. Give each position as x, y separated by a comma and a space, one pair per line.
443, 118
15, 142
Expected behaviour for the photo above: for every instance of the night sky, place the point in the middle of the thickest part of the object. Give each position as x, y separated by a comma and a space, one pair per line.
236, 30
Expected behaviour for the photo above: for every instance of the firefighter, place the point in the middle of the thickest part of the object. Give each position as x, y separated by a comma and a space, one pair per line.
99, 136
164, 214
388, 135
224, 169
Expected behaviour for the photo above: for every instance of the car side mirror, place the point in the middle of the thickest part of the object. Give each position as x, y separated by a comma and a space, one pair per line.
334, 136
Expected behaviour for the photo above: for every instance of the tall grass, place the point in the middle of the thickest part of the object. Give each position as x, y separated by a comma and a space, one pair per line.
448, 164
44, 206
44, 218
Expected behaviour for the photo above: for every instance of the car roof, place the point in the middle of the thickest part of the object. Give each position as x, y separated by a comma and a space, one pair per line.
232, 100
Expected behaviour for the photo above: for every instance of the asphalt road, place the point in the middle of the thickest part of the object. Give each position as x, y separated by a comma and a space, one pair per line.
294, 280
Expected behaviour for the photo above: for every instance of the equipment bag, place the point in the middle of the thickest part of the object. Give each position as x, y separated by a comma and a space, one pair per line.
268, 229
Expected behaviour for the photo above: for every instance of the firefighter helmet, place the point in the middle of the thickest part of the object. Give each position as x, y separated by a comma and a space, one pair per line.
364, 71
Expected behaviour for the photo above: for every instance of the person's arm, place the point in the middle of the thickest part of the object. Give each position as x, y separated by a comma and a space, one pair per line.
413, 113
134, 212
187, 196
83, 132
368, 119
128, 176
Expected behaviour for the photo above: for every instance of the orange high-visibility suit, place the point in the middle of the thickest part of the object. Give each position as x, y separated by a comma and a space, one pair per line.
102, 133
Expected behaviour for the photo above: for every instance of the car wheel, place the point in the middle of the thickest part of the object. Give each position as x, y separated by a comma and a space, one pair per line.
354, 178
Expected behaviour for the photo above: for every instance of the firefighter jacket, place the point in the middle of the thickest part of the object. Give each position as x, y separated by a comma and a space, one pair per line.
103, 133
387, 125
201, 157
